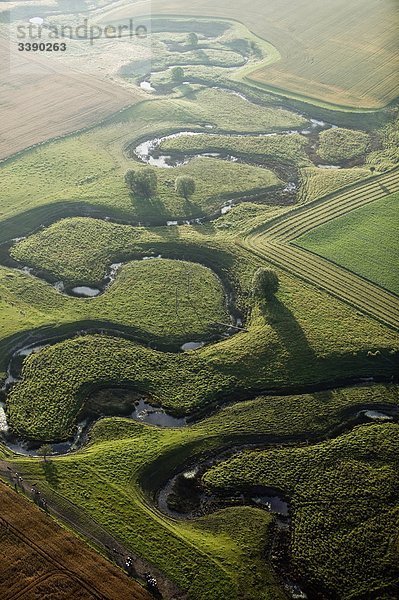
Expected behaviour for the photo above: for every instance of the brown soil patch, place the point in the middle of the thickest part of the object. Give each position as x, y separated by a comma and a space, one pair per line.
41, 560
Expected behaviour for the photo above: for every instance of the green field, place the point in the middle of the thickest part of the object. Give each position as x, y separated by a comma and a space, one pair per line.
279, 400
324, 342
282, 149
364, 241
160, 301
275, 242
88, 169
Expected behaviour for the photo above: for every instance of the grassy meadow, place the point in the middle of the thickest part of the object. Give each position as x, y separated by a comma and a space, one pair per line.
160, 301
334, 343
281, 149
87, 173
338, 145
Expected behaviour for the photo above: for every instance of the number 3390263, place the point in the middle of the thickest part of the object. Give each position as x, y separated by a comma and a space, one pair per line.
42, 47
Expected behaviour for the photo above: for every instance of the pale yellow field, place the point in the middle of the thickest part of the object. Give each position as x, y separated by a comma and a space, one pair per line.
43, 103
334, 51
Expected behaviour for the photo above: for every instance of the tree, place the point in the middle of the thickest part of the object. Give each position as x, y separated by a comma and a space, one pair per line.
265, 283
192, 39
143, 182
185, 186
178, 74
44, 451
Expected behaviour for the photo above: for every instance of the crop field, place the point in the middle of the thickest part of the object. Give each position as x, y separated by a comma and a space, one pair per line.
316, 183
199, 309
273, 242
314, 56
76, 101
363, 241
52, 563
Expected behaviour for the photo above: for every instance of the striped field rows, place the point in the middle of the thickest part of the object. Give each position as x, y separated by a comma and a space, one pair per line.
274, 243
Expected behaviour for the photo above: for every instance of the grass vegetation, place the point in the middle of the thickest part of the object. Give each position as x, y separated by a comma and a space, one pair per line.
166, 302
316, 183
386, 156
212, 57
300, 338
322, 342
338, 145
363, 241
130, 461
344, 507
88, 169
275, 242
280, 148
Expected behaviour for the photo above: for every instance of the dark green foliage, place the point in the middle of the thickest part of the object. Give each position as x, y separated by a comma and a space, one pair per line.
45, 450
192, 39
142, 182
265, 283
344, 499
185, 186
178, 74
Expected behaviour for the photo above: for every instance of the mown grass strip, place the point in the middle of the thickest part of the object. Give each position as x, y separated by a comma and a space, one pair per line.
273, 244
342, 284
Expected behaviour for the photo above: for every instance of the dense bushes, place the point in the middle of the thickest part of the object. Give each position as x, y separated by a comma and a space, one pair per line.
344, 496
338, 144
142, 182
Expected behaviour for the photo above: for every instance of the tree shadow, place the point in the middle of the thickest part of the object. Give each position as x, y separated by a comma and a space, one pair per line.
384, 188
50, 471
290, 333
149, 209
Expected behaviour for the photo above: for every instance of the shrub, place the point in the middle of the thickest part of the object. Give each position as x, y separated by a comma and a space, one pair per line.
185, 186
178, 74
265, 283
192, 39
143, 182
